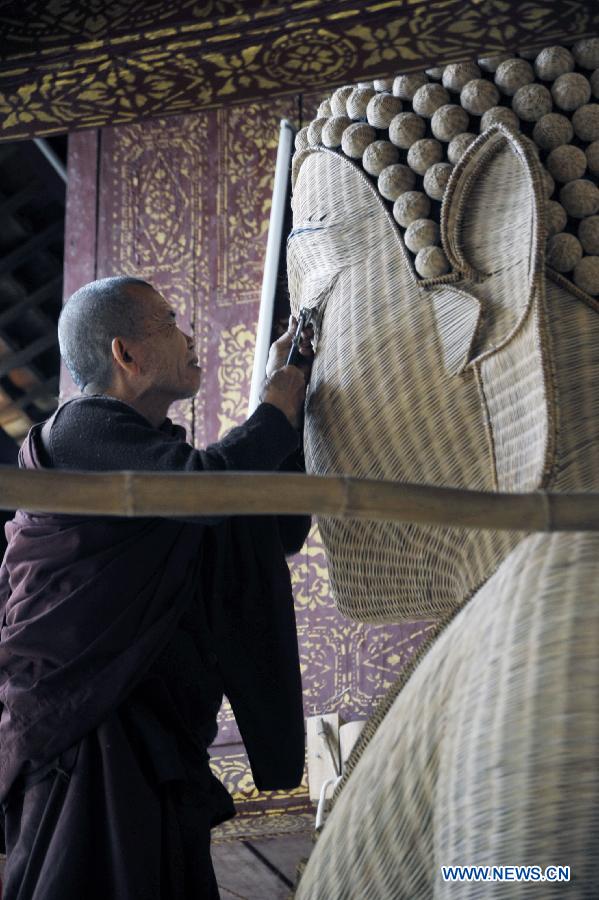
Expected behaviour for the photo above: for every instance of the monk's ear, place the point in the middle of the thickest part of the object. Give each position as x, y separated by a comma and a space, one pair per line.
492, 233
123, 357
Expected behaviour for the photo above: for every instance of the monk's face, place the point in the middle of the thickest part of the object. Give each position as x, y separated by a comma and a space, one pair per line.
166, 354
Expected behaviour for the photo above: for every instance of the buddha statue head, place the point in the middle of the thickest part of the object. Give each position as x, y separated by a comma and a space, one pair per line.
450, 348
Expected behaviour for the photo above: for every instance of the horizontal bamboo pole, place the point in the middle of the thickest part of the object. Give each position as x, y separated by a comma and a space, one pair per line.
142, 494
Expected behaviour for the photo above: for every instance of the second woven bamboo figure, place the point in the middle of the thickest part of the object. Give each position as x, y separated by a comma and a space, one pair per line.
482, 378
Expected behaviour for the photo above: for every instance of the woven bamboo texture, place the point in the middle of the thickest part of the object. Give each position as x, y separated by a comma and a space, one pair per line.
397, 389
414, 130
485, 751
490, 753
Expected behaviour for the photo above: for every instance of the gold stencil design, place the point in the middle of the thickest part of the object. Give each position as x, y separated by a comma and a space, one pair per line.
236, 355
310, 52
181, 413
162, 216
115, 83
154, 220
25, 106
386, 43
248, 137
93, 20
252, 827
347, 667
234, 771
104, 91
78, 66
310, 574
441, 34
240, 68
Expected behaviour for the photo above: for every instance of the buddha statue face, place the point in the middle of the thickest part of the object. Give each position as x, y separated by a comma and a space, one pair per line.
440, 381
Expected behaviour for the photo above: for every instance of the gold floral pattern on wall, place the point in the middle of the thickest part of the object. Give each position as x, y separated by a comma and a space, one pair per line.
236, 354
151, 222
74, 64
319, 54
233, 771
310, 575
247, 140
51, 21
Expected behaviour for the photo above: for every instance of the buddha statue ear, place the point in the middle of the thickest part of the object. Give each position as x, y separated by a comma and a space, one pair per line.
492, 234
491, 320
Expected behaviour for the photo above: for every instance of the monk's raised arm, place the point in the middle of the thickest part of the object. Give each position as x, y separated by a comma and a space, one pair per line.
103, 433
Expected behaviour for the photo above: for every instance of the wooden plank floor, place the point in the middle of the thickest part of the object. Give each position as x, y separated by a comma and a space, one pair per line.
260, 869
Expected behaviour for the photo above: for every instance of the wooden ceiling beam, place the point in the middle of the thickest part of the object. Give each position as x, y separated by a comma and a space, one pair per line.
186, 57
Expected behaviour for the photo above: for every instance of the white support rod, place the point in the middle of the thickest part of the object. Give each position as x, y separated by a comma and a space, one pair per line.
271, 261
44, 147
320, 811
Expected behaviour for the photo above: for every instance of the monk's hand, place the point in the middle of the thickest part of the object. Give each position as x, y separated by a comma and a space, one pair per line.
279, 351
286, 389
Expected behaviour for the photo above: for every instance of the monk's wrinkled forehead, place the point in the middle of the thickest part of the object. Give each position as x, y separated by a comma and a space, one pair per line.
151, 308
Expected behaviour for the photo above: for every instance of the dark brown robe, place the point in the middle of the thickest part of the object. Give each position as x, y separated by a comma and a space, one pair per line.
118, 640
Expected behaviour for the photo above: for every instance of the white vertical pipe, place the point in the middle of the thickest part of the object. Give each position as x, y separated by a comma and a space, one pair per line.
44, 147
271, 261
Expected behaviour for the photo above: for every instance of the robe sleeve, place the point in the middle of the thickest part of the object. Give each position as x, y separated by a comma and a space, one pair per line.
102, 434
293, 530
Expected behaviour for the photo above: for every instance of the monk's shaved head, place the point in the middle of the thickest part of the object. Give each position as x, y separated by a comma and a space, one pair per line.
91, 318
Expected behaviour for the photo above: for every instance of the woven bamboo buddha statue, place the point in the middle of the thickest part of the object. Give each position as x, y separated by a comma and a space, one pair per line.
483, 377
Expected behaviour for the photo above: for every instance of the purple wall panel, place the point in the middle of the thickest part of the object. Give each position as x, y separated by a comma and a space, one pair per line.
80, 225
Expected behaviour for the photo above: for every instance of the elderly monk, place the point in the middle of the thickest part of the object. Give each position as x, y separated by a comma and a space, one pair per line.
119, 637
